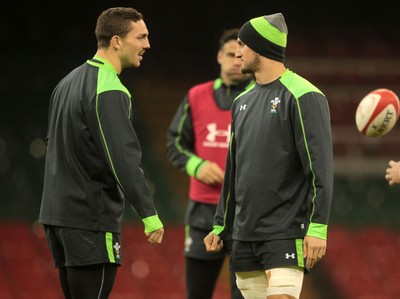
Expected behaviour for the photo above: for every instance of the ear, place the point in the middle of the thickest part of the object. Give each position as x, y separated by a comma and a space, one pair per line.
116, 42
219, 56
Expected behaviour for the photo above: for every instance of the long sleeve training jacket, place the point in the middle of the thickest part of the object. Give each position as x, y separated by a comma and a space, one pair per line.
279, 173
93, 158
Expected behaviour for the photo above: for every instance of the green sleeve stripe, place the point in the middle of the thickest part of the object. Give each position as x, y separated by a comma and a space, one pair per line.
318, 230
300, 253
106, 145
294, 84
108, 80
269, 32
309, 159
109, 247
152, 223
193, 164
218, 228
179, 137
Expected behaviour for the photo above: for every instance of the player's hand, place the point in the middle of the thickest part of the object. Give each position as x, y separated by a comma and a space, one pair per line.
393, 173
213, 243
211, 173
155, 237
314, 249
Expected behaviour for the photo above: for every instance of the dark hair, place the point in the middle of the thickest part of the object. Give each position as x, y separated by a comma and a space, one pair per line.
228, 35
115, 21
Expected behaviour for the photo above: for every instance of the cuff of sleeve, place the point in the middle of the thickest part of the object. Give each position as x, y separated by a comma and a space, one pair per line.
217, 229
152, 223
193, 164
318, 230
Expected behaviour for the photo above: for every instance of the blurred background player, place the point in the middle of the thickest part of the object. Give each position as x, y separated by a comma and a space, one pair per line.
198, 140
278, 181
93, 161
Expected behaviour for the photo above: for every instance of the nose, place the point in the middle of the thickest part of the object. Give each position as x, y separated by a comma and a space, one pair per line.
146, 44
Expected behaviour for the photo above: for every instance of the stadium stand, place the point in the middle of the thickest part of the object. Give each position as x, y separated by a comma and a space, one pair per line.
363, 263
27, 271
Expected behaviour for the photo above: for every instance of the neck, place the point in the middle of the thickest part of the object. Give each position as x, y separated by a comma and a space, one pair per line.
111, 58
229, 82
270, 70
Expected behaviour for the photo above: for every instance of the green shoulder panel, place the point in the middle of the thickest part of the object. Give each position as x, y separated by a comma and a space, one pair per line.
108, 81
107, 78
297, 85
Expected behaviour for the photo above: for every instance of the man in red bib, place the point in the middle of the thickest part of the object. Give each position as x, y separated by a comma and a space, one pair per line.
198, 140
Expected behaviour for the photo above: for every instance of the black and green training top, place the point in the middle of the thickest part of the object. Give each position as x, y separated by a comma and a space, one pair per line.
279, 173
93, 158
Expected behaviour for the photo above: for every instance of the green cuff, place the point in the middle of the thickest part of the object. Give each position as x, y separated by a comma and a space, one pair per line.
217, 229
318, 230
193, 164
152, 223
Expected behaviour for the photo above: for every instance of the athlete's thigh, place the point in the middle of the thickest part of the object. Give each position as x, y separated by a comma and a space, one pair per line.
91, 282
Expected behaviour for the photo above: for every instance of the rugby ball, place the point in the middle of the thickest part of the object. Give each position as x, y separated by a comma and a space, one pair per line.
377, 113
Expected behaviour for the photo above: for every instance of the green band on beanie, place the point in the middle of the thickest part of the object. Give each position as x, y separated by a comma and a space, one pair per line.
266, 35
268, 31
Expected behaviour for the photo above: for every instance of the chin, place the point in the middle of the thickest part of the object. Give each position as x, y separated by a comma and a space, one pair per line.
246, 71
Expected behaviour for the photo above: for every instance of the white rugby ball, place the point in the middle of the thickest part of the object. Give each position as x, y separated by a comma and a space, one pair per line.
377, 113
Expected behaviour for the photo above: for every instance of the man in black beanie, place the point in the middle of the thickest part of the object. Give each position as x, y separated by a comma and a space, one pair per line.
278, 180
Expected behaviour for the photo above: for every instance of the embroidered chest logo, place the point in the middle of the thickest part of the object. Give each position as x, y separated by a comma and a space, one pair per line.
117, 247
243, 107
274, 104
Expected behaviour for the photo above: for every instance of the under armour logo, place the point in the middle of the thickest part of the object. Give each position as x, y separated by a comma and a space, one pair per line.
243, 107
292, 256
213, 132
217, 137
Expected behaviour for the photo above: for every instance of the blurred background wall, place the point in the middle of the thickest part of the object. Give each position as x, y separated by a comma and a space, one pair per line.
346, 48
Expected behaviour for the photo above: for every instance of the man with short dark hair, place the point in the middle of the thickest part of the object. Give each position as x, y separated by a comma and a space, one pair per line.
93, 161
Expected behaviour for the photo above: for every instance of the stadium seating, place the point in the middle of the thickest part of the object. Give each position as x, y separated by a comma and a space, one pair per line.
362, 263
148, 272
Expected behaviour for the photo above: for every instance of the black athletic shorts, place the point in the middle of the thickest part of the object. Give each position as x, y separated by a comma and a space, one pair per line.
76, 247
195, 248
255, 256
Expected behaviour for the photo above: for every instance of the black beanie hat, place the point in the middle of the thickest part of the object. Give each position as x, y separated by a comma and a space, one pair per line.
266, 35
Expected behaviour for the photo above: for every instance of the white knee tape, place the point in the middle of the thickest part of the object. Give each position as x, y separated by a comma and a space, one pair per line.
252, 285
286, 281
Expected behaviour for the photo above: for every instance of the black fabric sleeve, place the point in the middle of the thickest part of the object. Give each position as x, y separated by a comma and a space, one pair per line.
180, 136
225, 214
118, 141
314, 144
